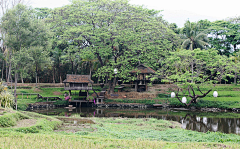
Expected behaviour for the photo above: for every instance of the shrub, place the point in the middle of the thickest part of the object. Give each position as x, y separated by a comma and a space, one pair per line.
6, 98
61, 102
10, 119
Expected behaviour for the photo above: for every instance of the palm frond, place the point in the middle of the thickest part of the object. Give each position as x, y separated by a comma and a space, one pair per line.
202, 44
201, 36
186, 43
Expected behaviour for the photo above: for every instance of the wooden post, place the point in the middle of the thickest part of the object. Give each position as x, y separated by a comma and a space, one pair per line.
47, 99
136, 86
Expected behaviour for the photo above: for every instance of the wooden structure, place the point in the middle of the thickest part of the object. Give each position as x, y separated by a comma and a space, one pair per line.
141, 72
78, 82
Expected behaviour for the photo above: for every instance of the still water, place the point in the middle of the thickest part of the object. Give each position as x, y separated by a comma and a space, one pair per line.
225, 122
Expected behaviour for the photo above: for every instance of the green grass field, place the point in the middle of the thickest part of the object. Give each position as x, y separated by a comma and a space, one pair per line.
49, 132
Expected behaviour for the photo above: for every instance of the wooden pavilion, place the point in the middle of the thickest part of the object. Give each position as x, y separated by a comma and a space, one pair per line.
78, 82
141, 72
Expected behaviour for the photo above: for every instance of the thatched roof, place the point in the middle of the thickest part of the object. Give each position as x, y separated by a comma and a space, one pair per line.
77, 79
143, 69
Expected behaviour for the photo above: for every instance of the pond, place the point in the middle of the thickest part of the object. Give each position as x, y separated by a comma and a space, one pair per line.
225, 122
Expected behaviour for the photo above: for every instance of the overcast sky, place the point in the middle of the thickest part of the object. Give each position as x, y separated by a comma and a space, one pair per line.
174, 11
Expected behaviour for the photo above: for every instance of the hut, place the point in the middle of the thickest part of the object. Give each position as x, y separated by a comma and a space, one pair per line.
140, 73
78, 82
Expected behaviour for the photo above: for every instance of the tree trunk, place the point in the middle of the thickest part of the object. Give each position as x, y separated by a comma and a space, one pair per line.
192, 61
9, 71
90, 73
10, 66
72, 67
192, 73
22, 78
2, 69
36, 75
106, 80
53, 74
6, 70
15, 89
36, 78
235, 77
11, 83
112, 85
59, 69
60, 79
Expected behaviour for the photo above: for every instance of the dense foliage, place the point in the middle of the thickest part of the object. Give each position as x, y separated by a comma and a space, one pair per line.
94, 37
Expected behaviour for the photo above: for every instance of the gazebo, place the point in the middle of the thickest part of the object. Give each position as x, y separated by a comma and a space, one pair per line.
78, 82
140, 73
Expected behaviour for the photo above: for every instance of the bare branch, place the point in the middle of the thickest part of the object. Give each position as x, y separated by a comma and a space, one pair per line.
190, 92
193, 90
204, 94
200, 90
179, 98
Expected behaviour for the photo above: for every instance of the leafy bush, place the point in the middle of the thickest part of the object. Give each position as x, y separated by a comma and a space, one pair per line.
10, 119
206, 104
24, 87
61, 102
163, 95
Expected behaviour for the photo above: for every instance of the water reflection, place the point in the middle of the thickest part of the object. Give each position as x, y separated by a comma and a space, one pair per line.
197, 121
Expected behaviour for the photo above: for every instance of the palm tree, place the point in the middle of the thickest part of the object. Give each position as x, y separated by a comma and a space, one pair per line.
193, 37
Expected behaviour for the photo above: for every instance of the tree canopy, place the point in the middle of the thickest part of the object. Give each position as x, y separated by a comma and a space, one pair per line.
118, 34
209, 69
95, 37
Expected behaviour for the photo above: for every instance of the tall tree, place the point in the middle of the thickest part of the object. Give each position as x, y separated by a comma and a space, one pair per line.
217, 37
236, 65
23, 30
194, 37
40, 59
5, 5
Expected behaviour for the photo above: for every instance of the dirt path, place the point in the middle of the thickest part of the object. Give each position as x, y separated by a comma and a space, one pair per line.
25, 123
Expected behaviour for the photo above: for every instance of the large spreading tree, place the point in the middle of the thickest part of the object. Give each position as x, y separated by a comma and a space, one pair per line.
209, 69
119, 35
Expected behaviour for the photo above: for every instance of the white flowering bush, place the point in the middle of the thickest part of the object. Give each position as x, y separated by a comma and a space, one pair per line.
6, 98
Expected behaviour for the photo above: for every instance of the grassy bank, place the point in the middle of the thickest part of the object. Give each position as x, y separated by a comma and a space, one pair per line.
76, 132
24, 95
228, 97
